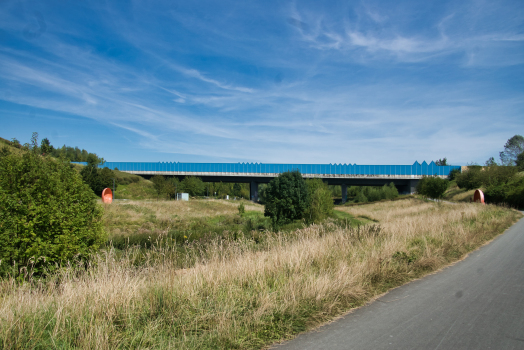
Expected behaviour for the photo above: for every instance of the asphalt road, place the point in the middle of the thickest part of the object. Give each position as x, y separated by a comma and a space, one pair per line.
477, 303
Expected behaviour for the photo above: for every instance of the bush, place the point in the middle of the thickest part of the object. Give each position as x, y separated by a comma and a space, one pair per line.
96, 178
520, 161
470, 179
453, 174
363, 194
432, 186
192, 185
510, 193
286, 198
47, 215
361, 197
321, 201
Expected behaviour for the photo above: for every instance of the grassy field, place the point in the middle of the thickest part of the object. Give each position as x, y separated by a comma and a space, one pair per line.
236, 292
455, 194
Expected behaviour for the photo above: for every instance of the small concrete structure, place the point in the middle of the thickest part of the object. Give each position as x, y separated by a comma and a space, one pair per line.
107, 196
182, 196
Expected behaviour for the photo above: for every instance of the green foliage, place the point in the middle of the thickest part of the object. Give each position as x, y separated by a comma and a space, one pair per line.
453, 174
476, 177
47, 215
72, 154
510, 193
159, 184
45, 146
361, 197
237, 189
520, 161
513, 147
123, 178
469, 179
286, 198
193, 185
364, 194
4, 151
241, 209
432, 187
442, 162
16, 143
321, 201
97, 179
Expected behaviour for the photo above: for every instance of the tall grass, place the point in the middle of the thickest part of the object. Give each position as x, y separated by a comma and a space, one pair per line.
239, 294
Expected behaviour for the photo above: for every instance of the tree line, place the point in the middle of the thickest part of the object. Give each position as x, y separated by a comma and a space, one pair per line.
167, 188
501, 181
72, 154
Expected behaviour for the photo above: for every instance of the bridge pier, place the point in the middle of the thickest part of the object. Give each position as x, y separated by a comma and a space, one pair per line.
253, 191
344, 193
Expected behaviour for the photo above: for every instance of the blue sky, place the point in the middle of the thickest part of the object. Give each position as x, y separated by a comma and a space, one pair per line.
369, 82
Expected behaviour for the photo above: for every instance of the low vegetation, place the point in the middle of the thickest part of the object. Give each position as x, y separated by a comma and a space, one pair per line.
238, 292
48, 216
432, 187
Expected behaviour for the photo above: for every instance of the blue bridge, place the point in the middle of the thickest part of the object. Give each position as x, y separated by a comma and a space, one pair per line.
405, 177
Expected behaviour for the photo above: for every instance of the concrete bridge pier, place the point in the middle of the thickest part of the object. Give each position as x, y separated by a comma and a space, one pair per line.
253, 191
409, 187
344, 193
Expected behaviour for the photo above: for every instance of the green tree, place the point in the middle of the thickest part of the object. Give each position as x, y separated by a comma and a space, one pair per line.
193, 185
286, 198
442, 162
361, 197
320, 201
520, 161
159, 183
16, 143
470, 178
432, 187
453, 174
237, 189
491, 161
47, 215
46, 147
96, 178
513, 147
34, 143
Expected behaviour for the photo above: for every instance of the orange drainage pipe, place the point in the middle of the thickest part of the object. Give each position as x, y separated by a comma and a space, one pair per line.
478, 197
107, 195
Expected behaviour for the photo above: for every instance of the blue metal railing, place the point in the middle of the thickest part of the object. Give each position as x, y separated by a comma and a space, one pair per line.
262, 168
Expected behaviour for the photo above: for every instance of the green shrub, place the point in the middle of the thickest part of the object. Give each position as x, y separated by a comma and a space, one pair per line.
470, 179
96, 178
47, 215
320, 201
286, 198
432, 186
241, 209
453, 174
510, 193
361, 197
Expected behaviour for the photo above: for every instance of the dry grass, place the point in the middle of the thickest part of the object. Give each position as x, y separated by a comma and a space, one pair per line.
166, 210
238, 295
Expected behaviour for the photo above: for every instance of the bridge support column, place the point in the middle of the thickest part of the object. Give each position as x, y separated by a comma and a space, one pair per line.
344, 193
413, 186
253, 191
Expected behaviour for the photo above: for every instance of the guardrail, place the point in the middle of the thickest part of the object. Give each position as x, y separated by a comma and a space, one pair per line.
416, 170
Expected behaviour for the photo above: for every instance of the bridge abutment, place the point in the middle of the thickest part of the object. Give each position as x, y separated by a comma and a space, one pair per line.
344, 193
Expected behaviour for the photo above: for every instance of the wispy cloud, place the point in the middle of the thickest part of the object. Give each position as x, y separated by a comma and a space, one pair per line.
308, 83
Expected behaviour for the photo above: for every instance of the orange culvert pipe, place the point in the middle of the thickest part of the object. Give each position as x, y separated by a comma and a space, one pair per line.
478, 197
107, 195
